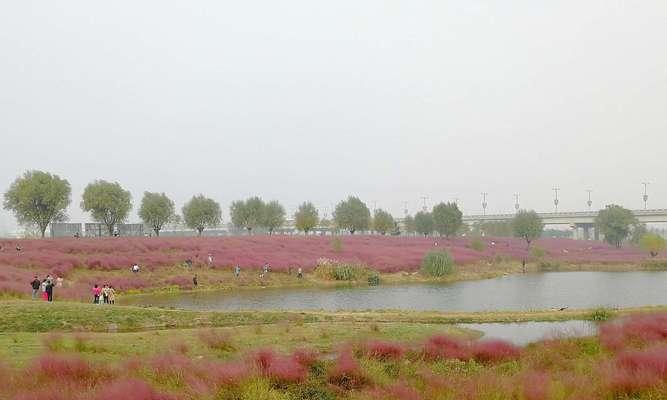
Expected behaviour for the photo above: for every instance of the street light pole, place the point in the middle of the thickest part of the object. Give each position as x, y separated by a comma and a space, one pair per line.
484, 204
424, 200
589, 202
516, 201
645, 193
405, 208
556, 198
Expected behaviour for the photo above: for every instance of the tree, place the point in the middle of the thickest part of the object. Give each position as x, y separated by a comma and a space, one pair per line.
527, 225
200, 213
424, 223
306, 217
247, 214
652, 243
383, 222
273, 216
447, 218
156, 210
409, 224
107, 202
352, 215
615, 223
38, 198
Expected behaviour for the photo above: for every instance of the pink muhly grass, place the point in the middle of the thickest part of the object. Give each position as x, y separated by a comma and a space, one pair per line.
383, 350
635, 330
346, 372
536, 386
305, 357
229, 373
172, 365
398, 391
495, 351
636, 370
129, 389
444, 347
67, 368
279, 368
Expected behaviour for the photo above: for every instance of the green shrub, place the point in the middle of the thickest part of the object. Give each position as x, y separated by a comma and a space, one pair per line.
437, 264
373, 279
538, 252
602, 314
548, 265
477, 244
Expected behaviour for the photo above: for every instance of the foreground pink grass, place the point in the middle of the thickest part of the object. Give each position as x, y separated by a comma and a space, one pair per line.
434, 368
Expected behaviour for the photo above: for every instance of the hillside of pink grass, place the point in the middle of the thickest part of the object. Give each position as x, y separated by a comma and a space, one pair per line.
386, 254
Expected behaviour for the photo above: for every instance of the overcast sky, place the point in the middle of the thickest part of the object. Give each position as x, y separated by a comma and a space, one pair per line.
315, 100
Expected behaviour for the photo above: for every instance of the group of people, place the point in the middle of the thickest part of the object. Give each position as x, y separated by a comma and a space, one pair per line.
104, 295
45, 287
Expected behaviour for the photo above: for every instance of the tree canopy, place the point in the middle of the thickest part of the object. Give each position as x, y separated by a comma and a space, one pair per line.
527, 225
652, 243
306, 217
424, 223
273, 216
352, 215
38, 198
107, 203
201, 212
156, 210
615, 223
447, 218
383, 222
247, 214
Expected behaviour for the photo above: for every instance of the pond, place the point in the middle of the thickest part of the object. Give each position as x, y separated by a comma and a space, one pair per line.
522, 333
520, 292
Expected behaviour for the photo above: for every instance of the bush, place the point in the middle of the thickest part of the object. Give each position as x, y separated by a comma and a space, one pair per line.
337, 271
437, 264
602, 314
655, 265
477, 244
538, 252
216, 340
373, 279
548, 265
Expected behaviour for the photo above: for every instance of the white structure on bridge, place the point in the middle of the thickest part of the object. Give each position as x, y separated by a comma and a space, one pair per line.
580, 221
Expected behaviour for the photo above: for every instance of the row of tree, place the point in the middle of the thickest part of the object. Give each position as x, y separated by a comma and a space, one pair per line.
39, 198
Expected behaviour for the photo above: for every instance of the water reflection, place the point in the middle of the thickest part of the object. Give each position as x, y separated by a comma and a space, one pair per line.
522, 333
516, 292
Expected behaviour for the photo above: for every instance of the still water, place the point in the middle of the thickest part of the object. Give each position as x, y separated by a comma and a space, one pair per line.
515, 292
522, 333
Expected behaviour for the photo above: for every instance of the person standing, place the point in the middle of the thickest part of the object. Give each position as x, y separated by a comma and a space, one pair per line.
112, 295
45, 296
194, 280
105, 294
96, 294
35, 284
49, 290
299, 273
237, 271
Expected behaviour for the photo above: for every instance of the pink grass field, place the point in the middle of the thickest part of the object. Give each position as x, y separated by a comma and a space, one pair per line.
60, 257
386, 254
425, 369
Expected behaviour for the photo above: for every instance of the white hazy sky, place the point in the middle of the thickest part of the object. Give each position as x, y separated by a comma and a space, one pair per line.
315, 100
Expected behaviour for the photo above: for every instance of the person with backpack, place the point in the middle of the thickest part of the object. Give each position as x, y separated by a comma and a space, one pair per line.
35, 284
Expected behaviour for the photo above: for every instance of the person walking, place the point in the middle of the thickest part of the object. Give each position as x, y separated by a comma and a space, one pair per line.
35, 284
237, 271
299, 273
112, 295
45, 296
194, 280
96, 294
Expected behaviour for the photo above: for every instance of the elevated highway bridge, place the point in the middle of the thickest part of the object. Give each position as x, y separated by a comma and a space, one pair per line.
582, 222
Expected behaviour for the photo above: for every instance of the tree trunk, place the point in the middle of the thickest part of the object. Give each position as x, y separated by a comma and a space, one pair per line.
157, 232
110, 229
199, 231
